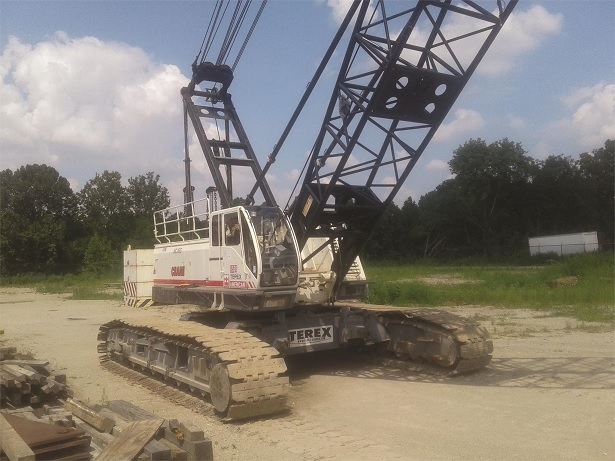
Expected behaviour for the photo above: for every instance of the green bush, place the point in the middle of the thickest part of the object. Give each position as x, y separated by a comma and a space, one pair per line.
99, 256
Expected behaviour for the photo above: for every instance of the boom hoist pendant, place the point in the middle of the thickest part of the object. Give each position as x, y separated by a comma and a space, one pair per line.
403, 69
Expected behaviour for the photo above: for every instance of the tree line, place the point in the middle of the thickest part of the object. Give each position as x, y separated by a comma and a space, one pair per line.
498, 196
47, 228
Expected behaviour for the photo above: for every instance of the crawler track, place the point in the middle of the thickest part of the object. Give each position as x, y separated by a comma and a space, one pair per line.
244, 376
456, 344
173, 394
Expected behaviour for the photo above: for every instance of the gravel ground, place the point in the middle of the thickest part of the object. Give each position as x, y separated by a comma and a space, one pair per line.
548, 393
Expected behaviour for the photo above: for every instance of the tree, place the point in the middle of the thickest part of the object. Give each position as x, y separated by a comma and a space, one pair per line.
146, 195
384, 243
37, 221
412, 244
105, 208
444, 224
598, 171
493, 179
559, 199
99, 257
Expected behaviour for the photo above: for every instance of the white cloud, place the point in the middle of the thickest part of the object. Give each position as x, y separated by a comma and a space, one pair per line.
464, 121
594, 117
293, 174
436, 165
515, 121
339, 9
589, 123
523, 32
81, 104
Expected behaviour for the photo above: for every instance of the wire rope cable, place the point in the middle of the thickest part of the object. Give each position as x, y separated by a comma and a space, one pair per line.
249, 34
234, 24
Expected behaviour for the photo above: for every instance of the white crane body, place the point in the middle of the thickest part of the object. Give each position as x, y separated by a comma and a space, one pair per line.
271, 283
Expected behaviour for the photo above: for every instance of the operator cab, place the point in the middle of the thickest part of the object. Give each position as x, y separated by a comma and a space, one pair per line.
239, 258
262, 240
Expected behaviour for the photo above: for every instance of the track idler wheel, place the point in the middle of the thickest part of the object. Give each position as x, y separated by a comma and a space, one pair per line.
220, 388
449, 353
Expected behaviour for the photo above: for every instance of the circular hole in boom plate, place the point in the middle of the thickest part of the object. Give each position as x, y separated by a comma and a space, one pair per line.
391, 102
440, 89
401, 83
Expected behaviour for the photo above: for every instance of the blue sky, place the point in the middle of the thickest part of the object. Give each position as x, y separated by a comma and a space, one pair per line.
89, 86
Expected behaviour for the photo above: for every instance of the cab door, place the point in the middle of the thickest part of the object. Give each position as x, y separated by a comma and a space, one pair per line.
232, 260
215, 251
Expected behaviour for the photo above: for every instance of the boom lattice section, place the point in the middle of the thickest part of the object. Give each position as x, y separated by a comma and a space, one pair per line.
403, 70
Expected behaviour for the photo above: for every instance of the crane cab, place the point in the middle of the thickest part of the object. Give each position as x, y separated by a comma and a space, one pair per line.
239, 258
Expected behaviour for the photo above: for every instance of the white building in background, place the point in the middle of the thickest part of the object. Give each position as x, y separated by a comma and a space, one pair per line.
564, 244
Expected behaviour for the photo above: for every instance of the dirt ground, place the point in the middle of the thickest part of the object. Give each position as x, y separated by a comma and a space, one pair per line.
548, 393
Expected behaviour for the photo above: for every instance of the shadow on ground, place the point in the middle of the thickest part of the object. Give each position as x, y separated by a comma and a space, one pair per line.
534, 372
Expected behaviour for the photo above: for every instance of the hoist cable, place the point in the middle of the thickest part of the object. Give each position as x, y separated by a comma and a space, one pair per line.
229, 30
233, 30
236, 33
235, 24
247, 39
209, 27
308, 91
217, 21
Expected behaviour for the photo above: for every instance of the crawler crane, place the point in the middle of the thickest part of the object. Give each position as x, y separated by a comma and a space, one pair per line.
275, 283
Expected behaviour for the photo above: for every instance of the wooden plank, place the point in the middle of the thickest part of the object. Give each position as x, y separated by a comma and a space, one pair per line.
100, 439
7, 369
52, 387
31, 375
81, 410
129, 411
54, 450
131, 441
28, 362
14, 396
38, 433
177, 454
157, 451
187, 430
7, 380
12, 444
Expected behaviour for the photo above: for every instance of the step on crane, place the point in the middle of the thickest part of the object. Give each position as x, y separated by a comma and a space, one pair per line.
274, 283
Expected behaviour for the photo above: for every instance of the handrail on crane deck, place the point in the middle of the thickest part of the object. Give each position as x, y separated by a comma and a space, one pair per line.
189, 221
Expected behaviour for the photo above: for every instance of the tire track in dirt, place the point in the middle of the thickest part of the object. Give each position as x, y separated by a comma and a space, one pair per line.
310, 440
318, 442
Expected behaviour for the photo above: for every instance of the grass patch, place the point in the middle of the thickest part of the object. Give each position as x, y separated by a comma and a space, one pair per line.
587, 294
78, 287
590, 297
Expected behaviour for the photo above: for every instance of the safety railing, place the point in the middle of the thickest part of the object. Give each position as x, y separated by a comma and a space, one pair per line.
189, 221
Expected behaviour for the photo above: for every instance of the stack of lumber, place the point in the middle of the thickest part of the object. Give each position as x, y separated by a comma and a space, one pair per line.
26, 439
116, 431
7, 352
122, 430
29, 382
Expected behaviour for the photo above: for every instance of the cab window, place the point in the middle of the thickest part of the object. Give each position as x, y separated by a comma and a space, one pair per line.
232, 231
215, 231
249, 249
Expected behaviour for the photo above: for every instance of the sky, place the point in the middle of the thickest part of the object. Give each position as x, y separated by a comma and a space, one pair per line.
93, 85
